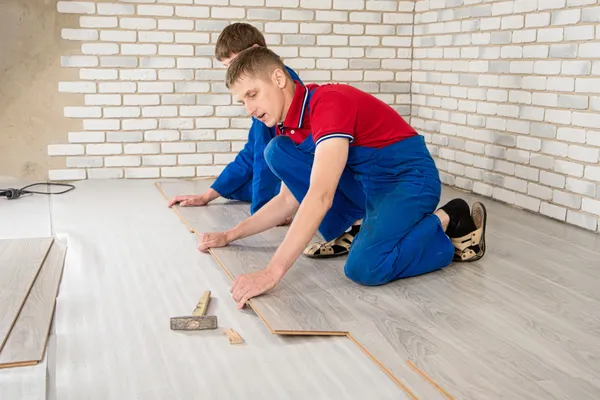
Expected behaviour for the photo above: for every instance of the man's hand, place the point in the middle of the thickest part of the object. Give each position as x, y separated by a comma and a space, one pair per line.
187, 201
253, 284
213, 239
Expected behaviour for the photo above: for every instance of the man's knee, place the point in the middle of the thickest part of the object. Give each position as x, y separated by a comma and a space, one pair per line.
275, 154
360, 273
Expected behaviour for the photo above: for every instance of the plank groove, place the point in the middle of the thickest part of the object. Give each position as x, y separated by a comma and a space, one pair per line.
514, 325
20, 262
27, 340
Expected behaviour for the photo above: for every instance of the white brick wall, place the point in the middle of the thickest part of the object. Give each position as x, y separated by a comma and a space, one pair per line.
153, 94
516, 79
506, 92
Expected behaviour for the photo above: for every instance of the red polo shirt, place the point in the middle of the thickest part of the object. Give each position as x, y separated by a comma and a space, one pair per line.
339, 110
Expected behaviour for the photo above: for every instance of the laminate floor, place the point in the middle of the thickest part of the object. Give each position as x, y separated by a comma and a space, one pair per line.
129, 268
20, 262
522, 323
26, 342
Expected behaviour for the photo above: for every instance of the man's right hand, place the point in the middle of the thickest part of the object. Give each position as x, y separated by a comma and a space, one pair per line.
213, 239
188, 201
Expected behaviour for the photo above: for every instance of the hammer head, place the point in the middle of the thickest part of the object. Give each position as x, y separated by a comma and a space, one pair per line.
194, 323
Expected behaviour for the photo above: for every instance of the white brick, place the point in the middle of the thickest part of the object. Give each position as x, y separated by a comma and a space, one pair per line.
555, 148
348, 29
118, 36
76, 7
177, 123
526, 6
176, 50
589, 50
160, 111
281, 27
541, 161
592, 206
585, 154
84, 162
189, 37
161, 135
121, 112
572, 101
98, 22
583, 220
576, 67
539, 191
569, 168
178, 147
586, 120
116, 9
176, 24
304, 40
332, 64
581, 187
566, 17
571, 135
504, 195
547, 67
192, 12
332, 40
156, 37
142, 148
295, 15
178, 99
579, 33
264, 14
105, 173
232, 134
545, 99
196, 62
316, 28
66, 174
566, 199
109, 61
527, 143
483, 189
528, 173
117, 87
98, 74
79, 61
553, 211
65, 149
227, 12
138, 49
347, 76
162, 11
140, 173
101, 124
103, 149
551, 4
139, 124
527, 202
195, 159
124, 136
551, 35
159, 160
157, 62
593, 138
155, 87
211, 26
590, 14
200, 134
137, 23
212, 147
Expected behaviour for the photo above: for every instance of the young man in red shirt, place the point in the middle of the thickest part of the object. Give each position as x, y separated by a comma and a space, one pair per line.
333, 140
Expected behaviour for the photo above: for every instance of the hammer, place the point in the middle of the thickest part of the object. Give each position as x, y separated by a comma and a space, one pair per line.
198, 320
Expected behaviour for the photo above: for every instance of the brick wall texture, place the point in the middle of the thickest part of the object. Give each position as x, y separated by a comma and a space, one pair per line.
506, 93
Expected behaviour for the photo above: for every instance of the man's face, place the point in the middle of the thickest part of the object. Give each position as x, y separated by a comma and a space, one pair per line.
262, 96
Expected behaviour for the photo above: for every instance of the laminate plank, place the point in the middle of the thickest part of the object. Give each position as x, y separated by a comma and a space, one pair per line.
27, 340
515, 325
20, 262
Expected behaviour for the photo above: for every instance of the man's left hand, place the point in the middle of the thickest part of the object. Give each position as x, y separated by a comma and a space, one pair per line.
253, 284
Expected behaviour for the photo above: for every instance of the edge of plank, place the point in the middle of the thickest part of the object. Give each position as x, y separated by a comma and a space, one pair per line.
322, 333
28, 291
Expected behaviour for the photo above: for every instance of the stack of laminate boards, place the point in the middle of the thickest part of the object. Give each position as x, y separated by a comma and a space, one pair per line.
30, 274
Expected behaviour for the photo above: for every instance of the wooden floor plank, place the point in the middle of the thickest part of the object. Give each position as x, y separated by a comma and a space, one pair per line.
514, 325
20, 262
27, 339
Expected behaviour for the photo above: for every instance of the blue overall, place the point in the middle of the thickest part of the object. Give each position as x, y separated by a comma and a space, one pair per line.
396, 188
248, 177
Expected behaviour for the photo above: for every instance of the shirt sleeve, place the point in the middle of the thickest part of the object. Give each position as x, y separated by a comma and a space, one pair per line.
333, 114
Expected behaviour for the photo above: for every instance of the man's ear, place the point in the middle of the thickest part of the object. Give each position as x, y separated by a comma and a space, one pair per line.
255, 45
279, 78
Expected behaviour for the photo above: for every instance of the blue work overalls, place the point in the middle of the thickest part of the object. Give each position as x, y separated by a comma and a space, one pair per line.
248, 177
396, 189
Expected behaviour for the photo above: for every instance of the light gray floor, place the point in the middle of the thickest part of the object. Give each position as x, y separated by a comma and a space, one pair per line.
131, 265
522, 323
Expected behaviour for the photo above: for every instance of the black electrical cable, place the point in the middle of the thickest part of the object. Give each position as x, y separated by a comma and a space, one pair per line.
13, 194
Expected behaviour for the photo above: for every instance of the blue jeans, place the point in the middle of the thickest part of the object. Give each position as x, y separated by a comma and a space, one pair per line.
400, 237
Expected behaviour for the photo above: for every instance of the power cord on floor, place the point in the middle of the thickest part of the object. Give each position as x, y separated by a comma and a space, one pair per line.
13, 194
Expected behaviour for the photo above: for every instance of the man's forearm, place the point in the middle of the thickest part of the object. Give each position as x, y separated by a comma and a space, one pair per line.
269, 216
210, 195
310, 214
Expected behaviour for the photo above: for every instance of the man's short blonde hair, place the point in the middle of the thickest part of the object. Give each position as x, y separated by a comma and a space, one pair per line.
254, 62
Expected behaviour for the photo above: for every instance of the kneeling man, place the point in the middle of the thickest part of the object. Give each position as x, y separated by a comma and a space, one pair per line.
333, 139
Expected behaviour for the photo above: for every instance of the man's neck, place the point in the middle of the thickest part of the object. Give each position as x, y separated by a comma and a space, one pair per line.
288, 97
